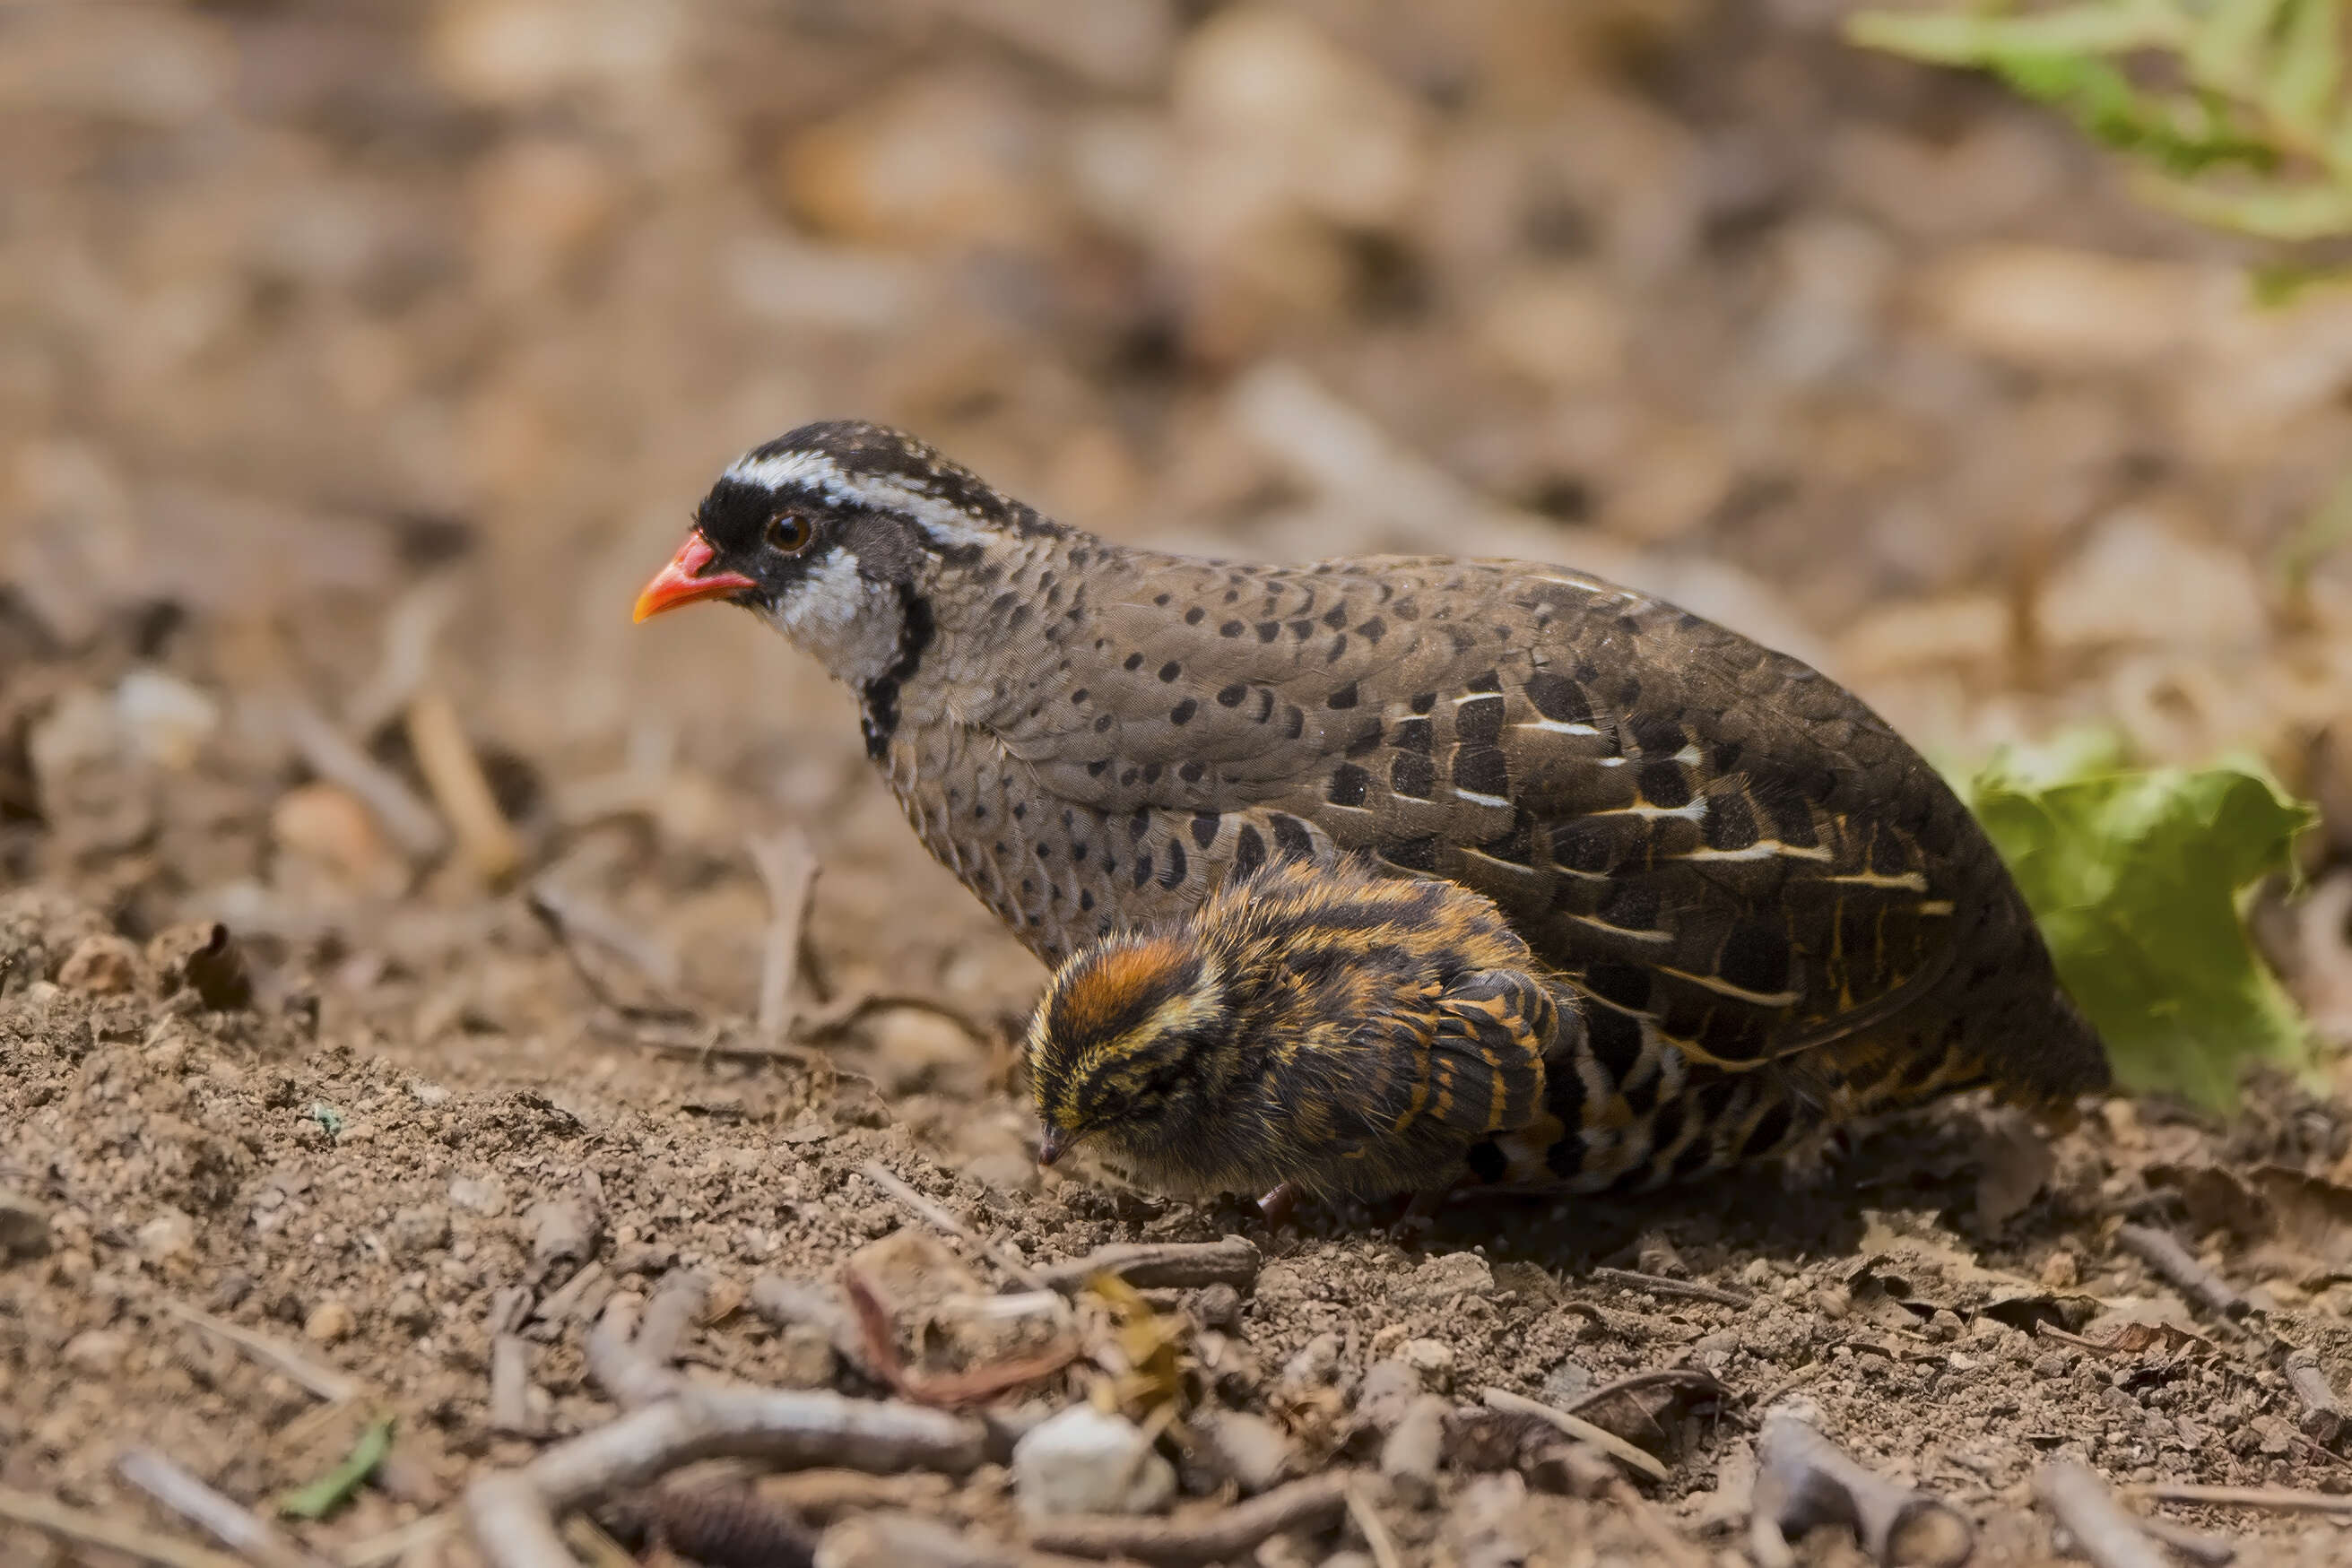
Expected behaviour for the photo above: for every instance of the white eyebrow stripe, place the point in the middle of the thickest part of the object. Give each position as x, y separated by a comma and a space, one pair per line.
946, 524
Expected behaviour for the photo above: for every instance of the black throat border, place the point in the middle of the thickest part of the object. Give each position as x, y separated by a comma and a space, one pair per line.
878, 700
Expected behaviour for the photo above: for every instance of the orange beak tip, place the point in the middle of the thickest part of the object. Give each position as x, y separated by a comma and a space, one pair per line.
689, 579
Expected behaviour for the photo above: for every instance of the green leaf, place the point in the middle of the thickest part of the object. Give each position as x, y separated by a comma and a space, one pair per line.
327, 1494
1968, 38
2137, 878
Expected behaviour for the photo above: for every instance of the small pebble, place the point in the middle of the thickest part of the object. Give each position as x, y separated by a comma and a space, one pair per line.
329, 1321
1454, 1274
418, 1230
24, 1226
1409, 1457
1217, 1306
171, 1234
1250, 1449
1085, 1460
101, 966
97, 1351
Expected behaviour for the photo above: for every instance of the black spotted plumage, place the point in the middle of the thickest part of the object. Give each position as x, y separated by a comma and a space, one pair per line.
1639, 791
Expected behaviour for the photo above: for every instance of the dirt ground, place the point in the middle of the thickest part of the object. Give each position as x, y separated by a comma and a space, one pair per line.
358, 361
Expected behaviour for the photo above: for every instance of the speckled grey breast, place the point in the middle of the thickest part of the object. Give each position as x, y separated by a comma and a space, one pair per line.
1728, 859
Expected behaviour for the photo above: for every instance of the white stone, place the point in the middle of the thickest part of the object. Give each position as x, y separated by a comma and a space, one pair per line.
1086, 1462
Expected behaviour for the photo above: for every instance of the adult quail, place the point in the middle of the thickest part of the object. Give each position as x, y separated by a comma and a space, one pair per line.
1725, 859
1331, 1031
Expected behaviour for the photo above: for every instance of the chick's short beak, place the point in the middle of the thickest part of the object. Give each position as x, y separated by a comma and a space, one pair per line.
687, 580
1056, 1144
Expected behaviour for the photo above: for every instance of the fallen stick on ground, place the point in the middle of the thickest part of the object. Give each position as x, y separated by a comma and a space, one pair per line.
1658, 1285
225, 1519
1661, 1377
787, 866
570, 920
2205, 1551
333, 757
1640, 1461
620, 1368
512, 1512
2324, 1416
838, 1018
938, 1219
410, 633
510, 1386
1316, 1503
80, 1525
670, 1316
1378, 1540
2102, 1532
1161, 1265
2169, 1257
453, 772
1803, 1480
947, 1391
276, 1354
395, 1545
897, 1540
2278, 1500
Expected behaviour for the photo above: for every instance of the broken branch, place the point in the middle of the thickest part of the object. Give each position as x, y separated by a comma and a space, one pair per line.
2103, 1531
787, 866
225, 1519
1161, 1265
2160, 1251
1229, 1533
1658, 1285
89, 1529
938, 1219
1803, 1479
1639, 1461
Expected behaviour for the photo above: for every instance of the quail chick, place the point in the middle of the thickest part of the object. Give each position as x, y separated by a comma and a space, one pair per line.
1726, 859
1332, 1031
1335, 1031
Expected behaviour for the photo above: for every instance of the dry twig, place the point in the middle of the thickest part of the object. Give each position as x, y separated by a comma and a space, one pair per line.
75, 1524
1640, 1461
569, 920
335, 757
2324, 1416
1377, 1540
619, 1364
225, 1519
453, 772
1803, 1480
2080, 1501
276, 1354
788, 867
951, 1391
512, 1512
510, 1386
938, 1219
410, 633
2277, 1500
1316, 1503
2161, 1252
1659, 1285
395, 1545
2205, 1551
1161, 1265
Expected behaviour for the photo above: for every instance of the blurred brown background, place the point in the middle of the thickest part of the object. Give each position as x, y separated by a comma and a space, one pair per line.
287, 284
359, 359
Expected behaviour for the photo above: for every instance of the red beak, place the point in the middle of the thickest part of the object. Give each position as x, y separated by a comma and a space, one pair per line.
684, 579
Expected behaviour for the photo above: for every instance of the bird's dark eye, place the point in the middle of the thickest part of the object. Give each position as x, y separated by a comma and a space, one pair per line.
789, 534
